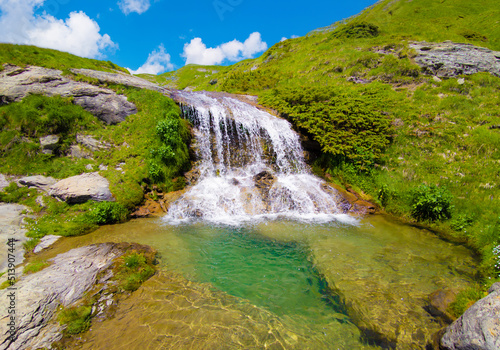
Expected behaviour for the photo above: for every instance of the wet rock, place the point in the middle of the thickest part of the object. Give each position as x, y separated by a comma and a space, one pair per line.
81, 188
49, 143
45, 242
39, 182
39, 295
16, 83
439, 302
264, 180
448, 59
478, 328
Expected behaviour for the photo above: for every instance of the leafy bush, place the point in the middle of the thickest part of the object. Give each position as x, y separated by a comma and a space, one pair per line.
431, 203
356, 30
348, 125
107, 213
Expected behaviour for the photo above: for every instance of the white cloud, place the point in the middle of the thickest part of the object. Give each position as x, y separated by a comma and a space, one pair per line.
197, 52
158, 62
78, 34
138, 6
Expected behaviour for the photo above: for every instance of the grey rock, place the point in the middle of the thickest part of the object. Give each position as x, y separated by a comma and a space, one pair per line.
40, 182
450, 59
76, 151
11, 227
16, 83
39, 295
478, 328
120, 78
91, 143
49, 143
81, 188
45, 242
39, 200
3, 182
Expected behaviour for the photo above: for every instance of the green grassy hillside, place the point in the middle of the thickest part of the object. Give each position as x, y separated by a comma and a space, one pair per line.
22, 55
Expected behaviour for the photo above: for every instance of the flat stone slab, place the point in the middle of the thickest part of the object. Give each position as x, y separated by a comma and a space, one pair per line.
11, 227
3, 182
45, 242
82, 188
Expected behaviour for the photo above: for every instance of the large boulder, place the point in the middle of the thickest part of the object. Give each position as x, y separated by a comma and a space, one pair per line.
448, 59
81, 188
478, 328
16, 83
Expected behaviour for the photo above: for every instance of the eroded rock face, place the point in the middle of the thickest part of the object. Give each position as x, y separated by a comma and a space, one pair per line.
478, 328
16, 83
450, 59
39, 295
81, 188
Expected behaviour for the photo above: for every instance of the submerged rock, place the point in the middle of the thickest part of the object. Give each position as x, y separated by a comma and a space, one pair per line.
81, 188
478, 328
16, 83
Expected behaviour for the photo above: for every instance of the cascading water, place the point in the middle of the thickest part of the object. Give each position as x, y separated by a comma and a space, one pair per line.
250, 165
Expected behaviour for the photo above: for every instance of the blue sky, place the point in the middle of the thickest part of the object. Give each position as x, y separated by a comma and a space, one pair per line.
154, 36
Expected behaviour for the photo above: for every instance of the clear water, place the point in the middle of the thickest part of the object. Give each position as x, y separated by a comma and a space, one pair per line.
305, 286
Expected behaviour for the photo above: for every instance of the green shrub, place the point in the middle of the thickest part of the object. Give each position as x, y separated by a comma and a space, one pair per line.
431, 203
13, 193
134, 270
356, 30
107, 213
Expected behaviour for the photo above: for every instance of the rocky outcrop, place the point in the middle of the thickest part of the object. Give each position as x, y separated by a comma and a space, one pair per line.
49, 143
478, 328
450, 59
81, 188
119, 78
16, 83
39, 295
39, 182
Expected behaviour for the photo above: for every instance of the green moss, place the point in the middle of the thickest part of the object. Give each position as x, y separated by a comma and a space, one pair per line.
35, 266
75, 319
133, 269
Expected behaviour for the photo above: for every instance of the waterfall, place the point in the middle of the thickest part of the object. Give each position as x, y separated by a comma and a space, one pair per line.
250, 166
